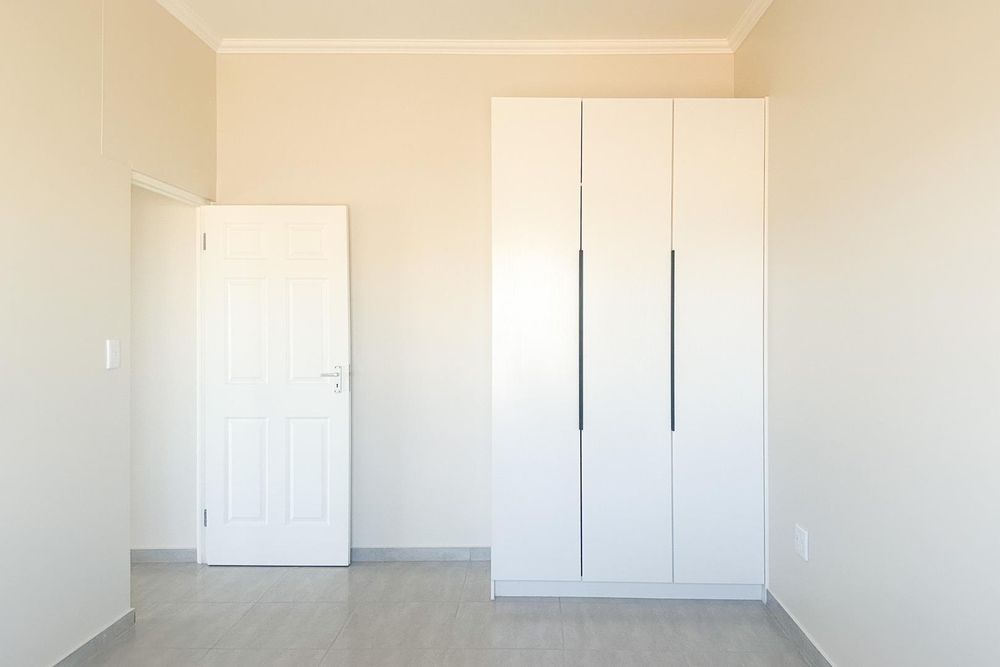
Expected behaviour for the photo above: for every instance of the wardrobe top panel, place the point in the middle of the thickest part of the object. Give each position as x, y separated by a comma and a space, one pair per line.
582, 99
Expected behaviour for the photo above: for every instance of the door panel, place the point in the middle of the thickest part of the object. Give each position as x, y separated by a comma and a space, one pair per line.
308, 472
246, 330
308, 329
719, 310
536, 227
246, 470
626, 340
276, 318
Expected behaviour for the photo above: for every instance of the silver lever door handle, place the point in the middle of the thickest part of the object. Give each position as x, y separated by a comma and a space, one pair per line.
338, 378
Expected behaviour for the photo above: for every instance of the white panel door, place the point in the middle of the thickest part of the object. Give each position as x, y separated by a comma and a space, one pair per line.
536, 440
276, 370
719, 371
626, 340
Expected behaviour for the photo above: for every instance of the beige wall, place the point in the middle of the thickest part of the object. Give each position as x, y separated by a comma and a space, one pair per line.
404, 141
164, 514
64, 288
884, 322
159, 96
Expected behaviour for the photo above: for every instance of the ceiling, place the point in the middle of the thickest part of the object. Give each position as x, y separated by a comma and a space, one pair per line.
700, 24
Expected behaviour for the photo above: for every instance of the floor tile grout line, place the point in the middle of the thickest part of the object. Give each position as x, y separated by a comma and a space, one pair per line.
252, 604
461, 596
232, 625
562, 626
350, 614
282, 574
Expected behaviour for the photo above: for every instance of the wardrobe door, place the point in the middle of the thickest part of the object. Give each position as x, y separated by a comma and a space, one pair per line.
536, 440
626, 340
719, 371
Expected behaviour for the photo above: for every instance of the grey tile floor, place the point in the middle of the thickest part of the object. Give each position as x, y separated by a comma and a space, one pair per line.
421, 614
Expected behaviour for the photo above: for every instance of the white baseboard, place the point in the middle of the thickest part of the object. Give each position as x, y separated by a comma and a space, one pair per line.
596, 589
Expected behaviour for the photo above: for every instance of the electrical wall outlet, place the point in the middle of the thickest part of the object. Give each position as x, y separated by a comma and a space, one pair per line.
802, 542
112, 354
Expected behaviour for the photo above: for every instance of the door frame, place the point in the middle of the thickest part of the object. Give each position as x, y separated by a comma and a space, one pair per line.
199, 338
155, 185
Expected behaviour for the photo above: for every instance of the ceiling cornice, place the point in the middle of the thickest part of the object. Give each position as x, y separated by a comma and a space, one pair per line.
183, 12
479, 46
747, 23
167, 190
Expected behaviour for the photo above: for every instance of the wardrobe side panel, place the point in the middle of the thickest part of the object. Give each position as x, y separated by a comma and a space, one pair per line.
536, 217
719, 311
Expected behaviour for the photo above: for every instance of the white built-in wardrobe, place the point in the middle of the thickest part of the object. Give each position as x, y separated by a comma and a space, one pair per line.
628, 347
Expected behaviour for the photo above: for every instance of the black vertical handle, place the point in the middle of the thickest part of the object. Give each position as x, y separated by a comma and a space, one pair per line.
580, 338
673, 279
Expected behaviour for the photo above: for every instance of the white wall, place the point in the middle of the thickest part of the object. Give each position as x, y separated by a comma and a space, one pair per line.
404, 141
64, 277
159, 96
64, 288
164, 471
884, 323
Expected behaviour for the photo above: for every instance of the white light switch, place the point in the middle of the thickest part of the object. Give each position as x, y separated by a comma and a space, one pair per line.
802, 542
112, 353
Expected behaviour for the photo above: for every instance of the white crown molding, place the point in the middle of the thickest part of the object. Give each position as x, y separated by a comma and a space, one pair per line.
747, 23
183, 12
479, 47
171, 191
193, 21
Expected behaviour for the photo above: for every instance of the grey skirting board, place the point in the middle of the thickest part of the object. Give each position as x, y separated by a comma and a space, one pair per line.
395, 554
358, 555
99, 642
810, 653
164, 555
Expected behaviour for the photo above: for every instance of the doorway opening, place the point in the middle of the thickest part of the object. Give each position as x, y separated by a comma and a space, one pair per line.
164, 374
